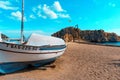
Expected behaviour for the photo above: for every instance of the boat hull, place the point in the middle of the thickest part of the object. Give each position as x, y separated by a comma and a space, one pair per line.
6, 57
10, 67
13, 61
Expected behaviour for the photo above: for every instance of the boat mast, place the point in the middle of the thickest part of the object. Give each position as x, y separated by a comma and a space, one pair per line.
22, 22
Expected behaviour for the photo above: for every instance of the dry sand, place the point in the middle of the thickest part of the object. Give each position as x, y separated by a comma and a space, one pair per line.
80, 62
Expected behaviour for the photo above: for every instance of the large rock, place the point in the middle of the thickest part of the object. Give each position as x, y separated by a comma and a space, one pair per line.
68, 34
98, 36
93, 35
118, 38
74, 33
68, 37
112, 37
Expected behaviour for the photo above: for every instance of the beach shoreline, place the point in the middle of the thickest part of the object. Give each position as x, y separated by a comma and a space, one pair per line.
95, 43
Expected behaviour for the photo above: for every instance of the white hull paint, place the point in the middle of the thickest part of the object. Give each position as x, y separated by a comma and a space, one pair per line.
6, 57
8, 54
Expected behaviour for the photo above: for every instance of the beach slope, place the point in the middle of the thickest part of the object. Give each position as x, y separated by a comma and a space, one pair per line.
79, 62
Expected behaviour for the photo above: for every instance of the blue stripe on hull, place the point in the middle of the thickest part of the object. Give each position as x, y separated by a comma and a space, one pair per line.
11, 67
43, 62
15, 66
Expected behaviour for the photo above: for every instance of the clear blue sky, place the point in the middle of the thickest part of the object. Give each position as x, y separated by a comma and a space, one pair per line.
49, 16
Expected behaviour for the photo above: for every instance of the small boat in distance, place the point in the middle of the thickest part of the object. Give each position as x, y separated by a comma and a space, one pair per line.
37, 50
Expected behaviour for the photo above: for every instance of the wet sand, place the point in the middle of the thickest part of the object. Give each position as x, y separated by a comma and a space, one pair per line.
79, 62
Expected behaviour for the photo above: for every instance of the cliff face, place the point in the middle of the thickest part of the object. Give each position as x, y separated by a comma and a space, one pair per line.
112, 37
68, 34
118, 38
93, 35
72, 33
98, 36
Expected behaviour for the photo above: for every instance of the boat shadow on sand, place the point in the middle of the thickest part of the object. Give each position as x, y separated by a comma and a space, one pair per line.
30, 68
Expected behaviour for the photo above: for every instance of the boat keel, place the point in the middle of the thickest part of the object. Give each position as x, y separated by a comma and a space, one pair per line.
6, 68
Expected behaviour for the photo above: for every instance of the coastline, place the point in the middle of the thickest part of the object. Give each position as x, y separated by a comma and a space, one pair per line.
99, 44
80, 62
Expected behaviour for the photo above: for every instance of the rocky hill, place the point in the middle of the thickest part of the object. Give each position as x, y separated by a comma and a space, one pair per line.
98, 36
118, 38
68, 34
74, 33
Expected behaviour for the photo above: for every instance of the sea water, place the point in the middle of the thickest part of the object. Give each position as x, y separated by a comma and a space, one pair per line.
112, 43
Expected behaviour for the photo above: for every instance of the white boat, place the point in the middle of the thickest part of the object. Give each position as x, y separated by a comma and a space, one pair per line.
37, 50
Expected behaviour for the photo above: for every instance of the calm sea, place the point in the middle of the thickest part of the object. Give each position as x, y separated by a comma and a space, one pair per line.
112, 43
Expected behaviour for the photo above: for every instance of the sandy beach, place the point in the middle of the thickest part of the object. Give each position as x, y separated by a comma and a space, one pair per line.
79, 62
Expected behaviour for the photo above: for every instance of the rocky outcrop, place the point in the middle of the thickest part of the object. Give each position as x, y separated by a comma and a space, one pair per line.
93, 35
68, 34
98, 36
68, 37
118, 38
112, 37
74, 33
